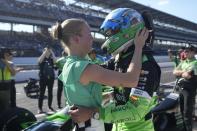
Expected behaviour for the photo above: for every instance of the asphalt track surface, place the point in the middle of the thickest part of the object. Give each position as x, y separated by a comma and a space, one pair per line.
31, 103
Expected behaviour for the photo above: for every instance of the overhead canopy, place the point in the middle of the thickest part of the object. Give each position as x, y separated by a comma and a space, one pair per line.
167, 26
157, 15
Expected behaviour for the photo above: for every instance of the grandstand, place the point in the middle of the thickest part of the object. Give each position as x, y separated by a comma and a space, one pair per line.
41, 15
170, 31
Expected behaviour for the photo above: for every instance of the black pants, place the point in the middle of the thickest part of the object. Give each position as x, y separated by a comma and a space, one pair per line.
108, 126
4, 96
187, 103
13, 94
43, 84
59, 92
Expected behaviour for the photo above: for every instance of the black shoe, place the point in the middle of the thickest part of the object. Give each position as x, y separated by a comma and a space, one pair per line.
51, 109
59, 107
40, 111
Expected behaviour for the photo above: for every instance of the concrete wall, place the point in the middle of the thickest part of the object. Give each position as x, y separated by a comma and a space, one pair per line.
33, 73
34, 60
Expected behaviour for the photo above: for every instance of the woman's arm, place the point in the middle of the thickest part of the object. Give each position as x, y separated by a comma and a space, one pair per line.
178, 72
9, 66
41, 58
53, 56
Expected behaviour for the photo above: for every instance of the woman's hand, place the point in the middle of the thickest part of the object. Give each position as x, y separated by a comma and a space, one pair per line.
80, 114
141, 37
18, 69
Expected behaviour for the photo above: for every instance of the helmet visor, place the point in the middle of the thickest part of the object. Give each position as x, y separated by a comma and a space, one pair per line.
110, 27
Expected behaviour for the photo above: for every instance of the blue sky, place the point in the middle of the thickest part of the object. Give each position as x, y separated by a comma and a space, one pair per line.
185, 9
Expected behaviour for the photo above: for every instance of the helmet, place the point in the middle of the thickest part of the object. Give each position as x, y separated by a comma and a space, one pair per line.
120, 26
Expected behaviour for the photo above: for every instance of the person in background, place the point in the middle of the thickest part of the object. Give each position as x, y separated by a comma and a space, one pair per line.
182, 54
6, 71
174, 57
194, 116
92, 57
60, 64
187, 73
177, 56
47, 76
13, 88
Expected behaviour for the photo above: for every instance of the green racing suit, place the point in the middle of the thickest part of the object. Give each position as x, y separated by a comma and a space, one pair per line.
130, 116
